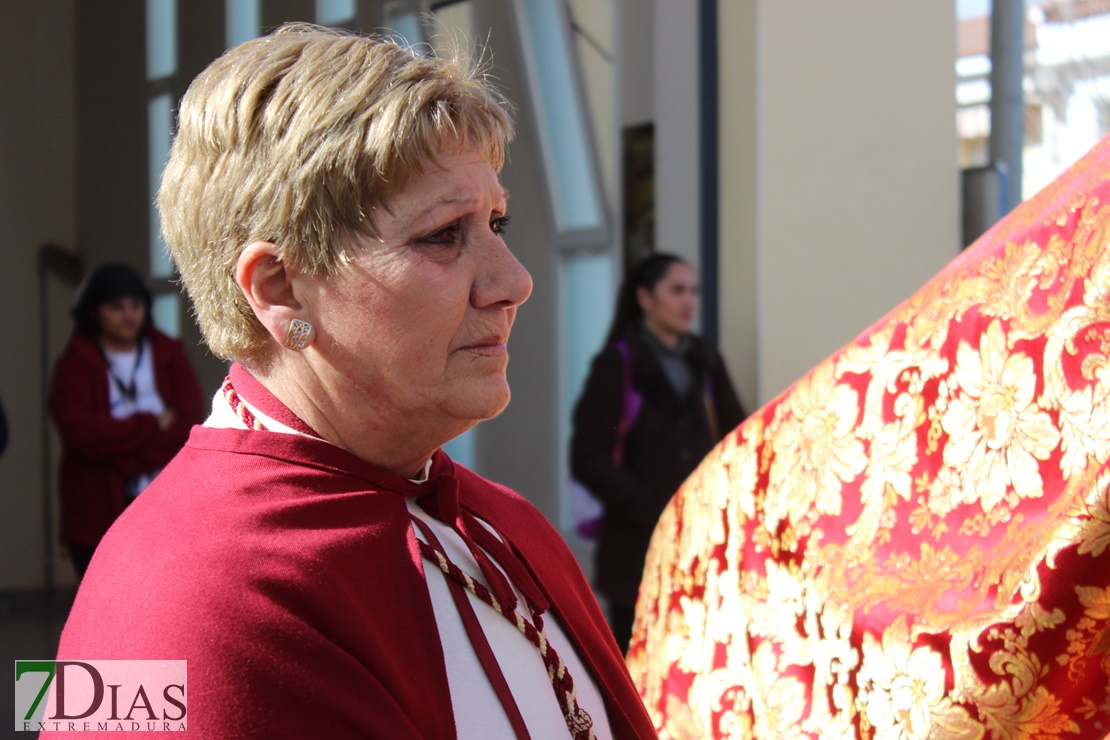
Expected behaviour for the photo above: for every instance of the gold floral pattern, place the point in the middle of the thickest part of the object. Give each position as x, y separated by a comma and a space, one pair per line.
996, 433
914, 540
903, 692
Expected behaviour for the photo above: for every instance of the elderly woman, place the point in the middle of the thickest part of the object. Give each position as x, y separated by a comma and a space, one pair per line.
334, 207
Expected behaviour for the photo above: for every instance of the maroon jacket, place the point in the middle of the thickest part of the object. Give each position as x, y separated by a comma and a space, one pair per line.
285, 571
98, 452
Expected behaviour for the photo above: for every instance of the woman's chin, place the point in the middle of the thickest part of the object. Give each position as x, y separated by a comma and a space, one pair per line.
483, 400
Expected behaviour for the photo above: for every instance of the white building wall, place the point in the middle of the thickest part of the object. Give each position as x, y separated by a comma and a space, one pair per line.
839, 182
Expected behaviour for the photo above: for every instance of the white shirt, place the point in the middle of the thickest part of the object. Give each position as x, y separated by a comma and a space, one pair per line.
135, 370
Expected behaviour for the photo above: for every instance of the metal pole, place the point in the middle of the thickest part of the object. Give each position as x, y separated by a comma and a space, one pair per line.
708, 62
1007, 98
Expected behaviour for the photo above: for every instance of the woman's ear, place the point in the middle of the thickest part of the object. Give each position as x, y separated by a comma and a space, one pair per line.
267, 282
644, 298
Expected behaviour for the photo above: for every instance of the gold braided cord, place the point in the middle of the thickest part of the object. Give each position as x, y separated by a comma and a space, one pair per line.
578, 720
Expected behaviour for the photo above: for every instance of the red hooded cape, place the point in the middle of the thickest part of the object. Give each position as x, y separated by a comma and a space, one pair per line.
286, 572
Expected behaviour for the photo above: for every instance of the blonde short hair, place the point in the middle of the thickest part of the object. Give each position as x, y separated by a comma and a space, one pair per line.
295, 138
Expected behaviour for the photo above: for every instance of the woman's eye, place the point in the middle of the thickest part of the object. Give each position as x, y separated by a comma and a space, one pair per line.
446, 236
499, 224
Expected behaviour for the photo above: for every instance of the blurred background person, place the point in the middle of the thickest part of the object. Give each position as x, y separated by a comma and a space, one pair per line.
657, 399
123, 397
335, 208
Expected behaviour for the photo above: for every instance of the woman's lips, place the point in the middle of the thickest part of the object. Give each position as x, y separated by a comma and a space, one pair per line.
492, 347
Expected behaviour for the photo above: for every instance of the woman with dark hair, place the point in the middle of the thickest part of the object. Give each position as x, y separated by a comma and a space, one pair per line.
657, 399
123, 397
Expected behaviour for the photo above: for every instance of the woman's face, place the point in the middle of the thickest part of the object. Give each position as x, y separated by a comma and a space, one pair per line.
120, 321
670, 306
414, 329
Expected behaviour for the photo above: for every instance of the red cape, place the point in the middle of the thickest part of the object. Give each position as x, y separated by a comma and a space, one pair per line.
286, 572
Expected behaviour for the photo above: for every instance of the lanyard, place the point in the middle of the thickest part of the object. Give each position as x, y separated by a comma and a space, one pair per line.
127, 390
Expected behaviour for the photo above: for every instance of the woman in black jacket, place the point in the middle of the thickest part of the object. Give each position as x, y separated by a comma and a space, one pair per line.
656, 401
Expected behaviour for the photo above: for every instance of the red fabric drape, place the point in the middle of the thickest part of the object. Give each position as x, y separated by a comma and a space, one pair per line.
912, 540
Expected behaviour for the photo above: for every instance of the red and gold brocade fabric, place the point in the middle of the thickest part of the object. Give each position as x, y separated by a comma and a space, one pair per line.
913, 541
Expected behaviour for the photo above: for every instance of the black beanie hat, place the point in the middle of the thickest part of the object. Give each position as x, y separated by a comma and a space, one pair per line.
107, 283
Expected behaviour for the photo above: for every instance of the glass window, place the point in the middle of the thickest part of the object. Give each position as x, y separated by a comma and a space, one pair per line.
334, 12
564, 140
161, 62
586, 301
160, 128
461, 449
403, 23
161, 38
165, 312
243, 20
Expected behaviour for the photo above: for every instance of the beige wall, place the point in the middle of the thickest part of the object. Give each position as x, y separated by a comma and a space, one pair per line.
37, 205
677, 114
839, 182
635, 64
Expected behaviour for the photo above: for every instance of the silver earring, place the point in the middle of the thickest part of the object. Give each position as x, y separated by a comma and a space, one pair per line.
299, 335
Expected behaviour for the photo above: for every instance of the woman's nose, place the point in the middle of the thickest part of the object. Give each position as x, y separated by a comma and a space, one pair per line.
502, 279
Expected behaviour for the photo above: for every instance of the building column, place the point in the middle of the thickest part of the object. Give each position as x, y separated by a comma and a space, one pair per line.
838, 175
